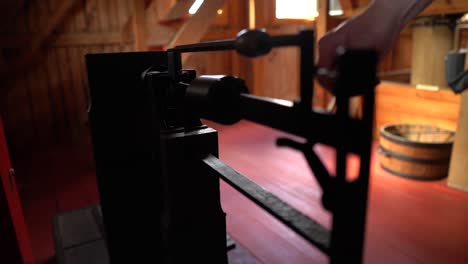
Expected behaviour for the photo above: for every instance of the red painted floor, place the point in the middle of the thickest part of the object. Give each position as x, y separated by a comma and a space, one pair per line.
408, 221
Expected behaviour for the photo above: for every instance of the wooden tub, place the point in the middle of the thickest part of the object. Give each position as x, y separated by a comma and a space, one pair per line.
413, 151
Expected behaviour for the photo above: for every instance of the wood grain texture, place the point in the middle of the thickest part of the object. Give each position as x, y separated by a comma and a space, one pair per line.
446, 7
438, 7
48, 99
139, 25
195, 28
415, 152
459, 163
421, 152
414, 170
398, 103
44, 32
98, 26
436, 41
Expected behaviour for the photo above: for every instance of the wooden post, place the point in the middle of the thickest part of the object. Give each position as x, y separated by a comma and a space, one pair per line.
251, 14
458, 172
348, 7
322, 19
139, 25
242, 66
321, 96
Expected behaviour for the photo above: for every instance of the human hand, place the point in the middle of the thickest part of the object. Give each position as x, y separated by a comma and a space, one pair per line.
369, 30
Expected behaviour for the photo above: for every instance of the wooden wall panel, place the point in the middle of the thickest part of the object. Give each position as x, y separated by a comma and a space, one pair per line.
213, 63
461, 36
225, 26
398, 103
48, 100
277, 74
17, 114
396, 64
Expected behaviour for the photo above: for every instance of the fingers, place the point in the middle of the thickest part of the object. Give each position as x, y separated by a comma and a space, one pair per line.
327, 47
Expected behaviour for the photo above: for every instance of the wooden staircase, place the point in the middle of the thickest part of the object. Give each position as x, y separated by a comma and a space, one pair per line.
169, 23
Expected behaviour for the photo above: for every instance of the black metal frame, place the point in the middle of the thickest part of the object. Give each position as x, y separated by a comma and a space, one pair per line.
145, 132
345, 199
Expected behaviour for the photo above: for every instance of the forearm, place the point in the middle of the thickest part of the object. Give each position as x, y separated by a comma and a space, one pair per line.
379, 25
376, 28
402, 10
391, 16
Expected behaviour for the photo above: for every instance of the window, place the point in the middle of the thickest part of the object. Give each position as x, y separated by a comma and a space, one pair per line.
335, 8
195, 6
304, 9
296, 9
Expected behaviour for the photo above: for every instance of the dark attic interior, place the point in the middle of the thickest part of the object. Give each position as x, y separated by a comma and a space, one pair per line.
208, 131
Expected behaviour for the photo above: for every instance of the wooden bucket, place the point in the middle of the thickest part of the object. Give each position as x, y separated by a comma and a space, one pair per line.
419, 152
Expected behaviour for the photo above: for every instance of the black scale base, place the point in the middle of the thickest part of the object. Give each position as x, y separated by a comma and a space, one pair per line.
79, 239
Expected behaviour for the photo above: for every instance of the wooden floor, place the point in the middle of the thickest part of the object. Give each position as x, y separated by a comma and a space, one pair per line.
408, 221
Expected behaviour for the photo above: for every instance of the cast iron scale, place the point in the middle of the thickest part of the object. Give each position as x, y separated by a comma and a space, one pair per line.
157, 166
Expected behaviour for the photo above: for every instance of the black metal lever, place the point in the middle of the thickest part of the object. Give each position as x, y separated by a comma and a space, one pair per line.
315, 164
250, 43
309, 229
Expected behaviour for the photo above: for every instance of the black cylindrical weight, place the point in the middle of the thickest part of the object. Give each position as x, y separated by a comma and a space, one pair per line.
252, 43
216, 98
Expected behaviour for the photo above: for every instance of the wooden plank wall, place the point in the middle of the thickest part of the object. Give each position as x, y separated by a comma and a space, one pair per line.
396, 65
400, 103
47, 101
234, 17
277, 74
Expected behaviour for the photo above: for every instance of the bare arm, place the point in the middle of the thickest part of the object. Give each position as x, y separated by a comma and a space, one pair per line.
376, 28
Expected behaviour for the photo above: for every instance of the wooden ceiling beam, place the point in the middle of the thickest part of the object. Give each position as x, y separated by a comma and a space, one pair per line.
438, 7
442, 7
139, 25
196, 27
322, 97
